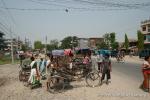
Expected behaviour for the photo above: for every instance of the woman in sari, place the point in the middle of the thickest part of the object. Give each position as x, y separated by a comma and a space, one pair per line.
146, 74
34, 75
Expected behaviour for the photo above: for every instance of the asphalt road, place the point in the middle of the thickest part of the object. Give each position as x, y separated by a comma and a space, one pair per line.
130, 70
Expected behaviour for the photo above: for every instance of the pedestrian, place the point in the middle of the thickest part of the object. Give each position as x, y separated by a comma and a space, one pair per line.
48, 69
42, 67
34, 75
100, 62
94, 62
146, 73
106, 68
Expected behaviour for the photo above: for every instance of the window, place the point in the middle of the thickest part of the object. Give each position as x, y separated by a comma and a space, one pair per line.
144, 37
144, 28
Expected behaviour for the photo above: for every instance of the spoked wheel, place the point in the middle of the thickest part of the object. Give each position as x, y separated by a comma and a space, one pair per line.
20, 75
93, 79
55, 84
79, 74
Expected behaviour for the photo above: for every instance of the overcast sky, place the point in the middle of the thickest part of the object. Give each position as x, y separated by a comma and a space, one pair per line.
36, 19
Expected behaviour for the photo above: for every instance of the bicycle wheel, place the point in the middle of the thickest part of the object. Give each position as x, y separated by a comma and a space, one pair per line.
55, 84
93, 79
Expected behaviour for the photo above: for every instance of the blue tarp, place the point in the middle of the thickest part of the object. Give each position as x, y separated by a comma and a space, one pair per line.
58, 52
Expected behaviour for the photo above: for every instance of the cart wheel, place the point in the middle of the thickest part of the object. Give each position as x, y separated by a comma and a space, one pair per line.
93, 79
55, 85
20, 75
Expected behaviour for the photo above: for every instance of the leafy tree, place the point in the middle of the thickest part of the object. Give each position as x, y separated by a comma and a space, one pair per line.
69, 42
2, 41
126, 42
53, 45
24, 47
103, 45
113, 42
38, 45
140, 44
107, 39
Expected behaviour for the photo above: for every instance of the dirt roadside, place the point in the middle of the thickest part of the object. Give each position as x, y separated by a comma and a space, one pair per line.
120, 87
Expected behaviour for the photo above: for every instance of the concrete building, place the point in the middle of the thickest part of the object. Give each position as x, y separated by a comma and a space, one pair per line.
83, 43
145, 29
89, 42
17, 44
93, 42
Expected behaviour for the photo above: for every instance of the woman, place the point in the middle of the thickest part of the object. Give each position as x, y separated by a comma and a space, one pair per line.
146, 73
34, 71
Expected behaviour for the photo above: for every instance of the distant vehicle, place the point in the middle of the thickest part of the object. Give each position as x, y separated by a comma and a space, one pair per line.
113, 53
104, 52
144, 53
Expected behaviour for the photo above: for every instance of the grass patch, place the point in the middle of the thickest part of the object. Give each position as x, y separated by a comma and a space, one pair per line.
7, 60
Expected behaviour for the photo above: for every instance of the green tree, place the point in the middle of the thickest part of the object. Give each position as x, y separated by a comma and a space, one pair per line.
103, 45
24, 47
140, 44
113, 43
69, 42
53, 45
2, 41
126, 42
38, 45
107, 39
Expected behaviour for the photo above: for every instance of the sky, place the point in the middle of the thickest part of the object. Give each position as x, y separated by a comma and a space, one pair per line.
36, 19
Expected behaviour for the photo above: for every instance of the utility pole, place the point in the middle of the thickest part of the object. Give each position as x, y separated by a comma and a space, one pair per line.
46, 45
12, 50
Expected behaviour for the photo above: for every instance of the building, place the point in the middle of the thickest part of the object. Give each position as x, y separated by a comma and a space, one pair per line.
83, 43
89, 42
145, 29
17, 44
93, 42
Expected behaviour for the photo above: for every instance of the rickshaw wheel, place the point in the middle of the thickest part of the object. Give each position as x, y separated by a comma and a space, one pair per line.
93, 79
55, 85
20, 76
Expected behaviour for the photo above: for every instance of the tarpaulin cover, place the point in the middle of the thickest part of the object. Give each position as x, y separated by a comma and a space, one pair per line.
58, 52
67, 52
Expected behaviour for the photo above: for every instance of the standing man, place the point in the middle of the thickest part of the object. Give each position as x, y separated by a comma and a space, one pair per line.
106, 68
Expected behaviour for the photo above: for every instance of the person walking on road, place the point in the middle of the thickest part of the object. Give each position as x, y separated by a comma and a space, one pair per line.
106, 68
146, 73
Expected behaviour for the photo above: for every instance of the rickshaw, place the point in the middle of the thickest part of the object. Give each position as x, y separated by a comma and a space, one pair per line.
57, 80
24, 70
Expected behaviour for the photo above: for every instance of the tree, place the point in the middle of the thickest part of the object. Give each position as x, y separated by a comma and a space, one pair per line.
2, 41
140, 44
69, 42
103, 45
126, 42
24, 47
38, 45
113, 43
107, 39
53, 45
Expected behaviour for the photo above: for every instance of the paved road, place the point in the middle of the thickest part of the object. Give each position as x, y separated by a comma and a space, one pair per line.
129, 69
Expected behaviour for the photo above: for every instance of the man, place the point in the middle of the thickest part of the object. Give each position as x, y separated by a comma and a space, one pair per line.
42, 67
100, 62
106, 68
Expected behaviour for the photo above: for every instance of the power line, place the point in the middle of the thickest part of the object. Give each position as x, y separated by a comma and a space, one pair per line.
10, 15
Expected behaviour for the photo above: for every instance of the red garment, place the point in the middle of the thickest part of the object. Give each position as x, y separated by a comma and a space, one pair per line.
146, 74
